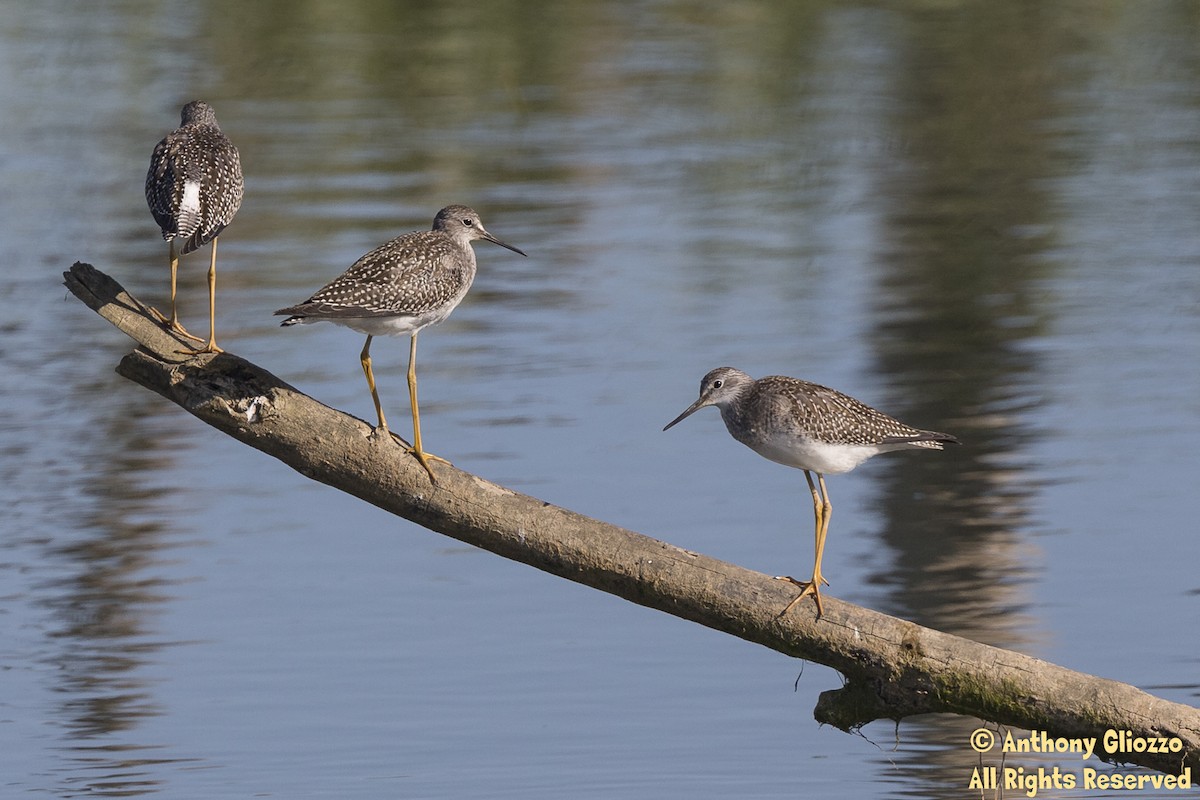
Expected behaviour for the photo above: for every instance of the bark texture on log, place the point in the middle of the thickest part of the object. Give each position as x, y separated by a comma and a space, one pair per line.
893, 668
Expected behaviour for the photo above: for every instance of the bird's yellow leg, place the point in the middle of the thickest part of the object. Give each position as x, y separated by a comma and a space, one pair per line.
211, 345
822, 510
416, 449
172, 323
826, 513
365, 359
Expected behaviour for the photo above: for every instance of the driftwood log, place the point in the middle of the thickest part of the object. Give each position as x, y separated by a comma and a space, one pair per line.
892, 668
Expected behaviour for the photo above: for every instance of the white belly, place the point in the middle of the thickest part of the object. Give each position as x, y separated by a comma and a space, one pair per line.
802, 453
386, 326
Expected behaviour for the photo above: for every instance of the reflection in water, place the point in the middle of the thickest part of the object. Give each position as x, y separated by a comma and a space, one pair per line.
777, 182
102, 611
963, 299
959, 301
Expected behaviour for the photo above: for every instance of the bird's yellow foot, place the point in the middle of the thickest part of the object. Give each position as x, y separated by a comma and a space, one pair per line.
420, 455
812, 587
176, 328
211, 347
424, 455
425, 458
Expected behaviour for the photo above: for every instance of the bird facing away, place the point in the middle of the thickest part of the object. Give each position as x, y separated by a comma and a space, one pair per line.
401, 287
809, 427
194, 187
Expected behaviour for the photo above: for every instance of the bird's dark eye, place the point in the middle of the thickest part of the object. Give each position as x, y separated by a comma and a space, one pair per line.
717, 384
469, 222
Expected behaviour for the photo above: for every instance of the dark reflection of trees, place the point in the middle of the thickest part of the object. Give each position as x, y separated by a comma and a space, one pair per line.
957, 305
104, 609
357, 120
959, 301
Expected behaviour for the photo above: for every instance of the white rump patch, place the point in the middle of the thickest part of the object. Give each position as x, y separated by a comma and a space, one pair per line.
189, 209
191, 198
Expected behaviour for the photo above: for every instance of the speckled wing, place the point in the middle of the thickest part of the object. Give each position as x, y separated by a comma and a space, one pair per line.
161, 181
194, 186
410, 275
826, 414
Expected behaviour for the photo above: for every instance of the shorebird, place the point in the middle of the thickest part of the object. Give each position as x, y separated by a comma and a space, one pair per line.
194, 187
402, 287
809, 427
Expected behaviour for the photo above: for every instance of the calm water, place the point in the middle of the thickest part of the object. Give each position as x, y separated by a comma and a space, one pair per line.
980, 217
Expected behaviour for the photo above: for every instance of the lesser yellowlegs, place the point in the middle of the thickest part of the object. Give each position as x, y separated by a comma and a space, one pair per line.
401, 287
809, 427
194, 187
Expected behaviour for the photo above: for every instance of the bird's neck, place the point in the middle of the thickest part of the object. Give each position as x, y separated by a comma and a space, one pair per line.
733, 414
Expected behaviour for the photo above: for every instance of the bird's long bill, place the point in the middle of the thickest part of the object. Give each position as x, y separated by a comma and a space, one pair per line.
692, 409
505, 245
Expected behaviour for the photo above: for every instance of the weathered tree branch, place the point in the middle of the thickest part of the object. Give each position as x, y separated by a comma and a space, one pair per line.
893, 668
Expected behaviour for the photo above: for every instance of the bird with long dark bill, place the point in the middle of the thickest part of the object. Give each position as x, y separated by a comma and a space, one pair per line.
809, 427
401, 288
